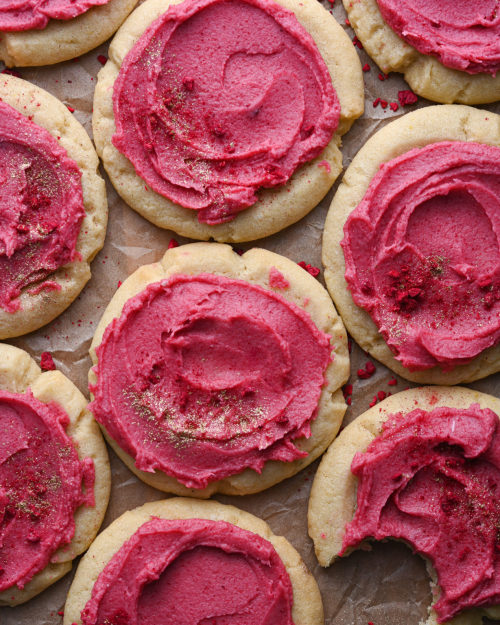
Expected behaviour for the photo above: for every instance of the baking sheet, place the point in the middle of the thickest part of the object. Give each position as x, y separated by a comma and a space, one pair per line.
387, 585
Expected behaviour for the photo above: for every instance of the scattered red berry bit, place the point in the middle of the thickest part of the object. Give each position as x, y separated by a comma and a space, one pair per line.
407, 97
382, 76
61, 612
11, 72
381, 395
394, 106
332, 2
348, 23
314, 271
348, 400
119, 284
46, 362
347, 390
102, 59
366, 67
376, 102
373, 401
357, 43
70, 108
367, 372
383, 104
392, 382
173, 243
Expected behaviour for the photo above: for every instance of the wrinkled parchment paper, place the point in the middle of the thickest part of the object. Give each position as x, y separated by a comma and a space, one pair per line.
387, 585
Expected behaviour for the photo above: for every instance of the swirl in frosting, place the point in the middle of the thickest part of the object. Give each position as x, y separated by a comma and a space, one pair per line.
220, 98
203, 376
422, 253
42, 207
462, 34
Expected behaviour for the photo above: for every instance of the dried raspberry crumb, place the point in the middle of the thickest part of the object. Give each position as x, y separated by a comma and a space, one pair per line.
382, 77
348, 400
367, 372
173, 243
407, 97
383, 104
11, 72
70, 108
373, 401
366, 67
357, 43
61, 612
323, 535
119, 284
314, 271
381, 395
392, 382
394, 106
102, 59
376, 102
348, 23
347, 390
46, 362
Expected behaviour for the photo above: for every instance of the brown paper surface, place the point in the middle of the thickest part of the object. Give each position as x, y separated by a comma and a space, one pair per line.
387, 585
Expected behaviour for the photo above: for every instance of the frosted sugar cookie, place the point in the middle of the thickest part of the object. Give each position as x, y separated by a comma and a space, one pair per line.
423, 466
51, 31
448, 50
223, 119
54, 476
183, 560
411, 248
217, 372
54, 207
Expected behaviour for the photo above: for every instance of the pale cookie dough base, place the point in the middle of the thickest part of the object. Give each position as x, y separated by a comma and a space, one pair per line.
333, 495
18, 372
62, 40
48, 112
425, 74
277, 208
417, 129
305, 292
307, 606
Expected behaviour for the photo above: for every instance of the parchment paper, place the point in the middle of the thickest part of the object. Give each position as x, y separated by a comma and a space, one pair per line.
388, 585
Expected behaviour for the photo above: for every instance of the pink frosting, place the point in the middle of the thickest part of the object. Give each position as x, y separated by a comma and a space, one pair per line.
17, 15
462, 34
42, 482
192, 572
42, 206
422, 253
220, 98
432, 479
202, 377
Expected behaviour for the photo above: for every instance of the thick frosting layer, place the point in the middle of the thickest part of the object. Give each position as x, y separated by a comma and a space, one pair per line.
42, 482
17, 15
462, 34
422, 253
219, 98
42, 206
204, 376
432, 479
192, 572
